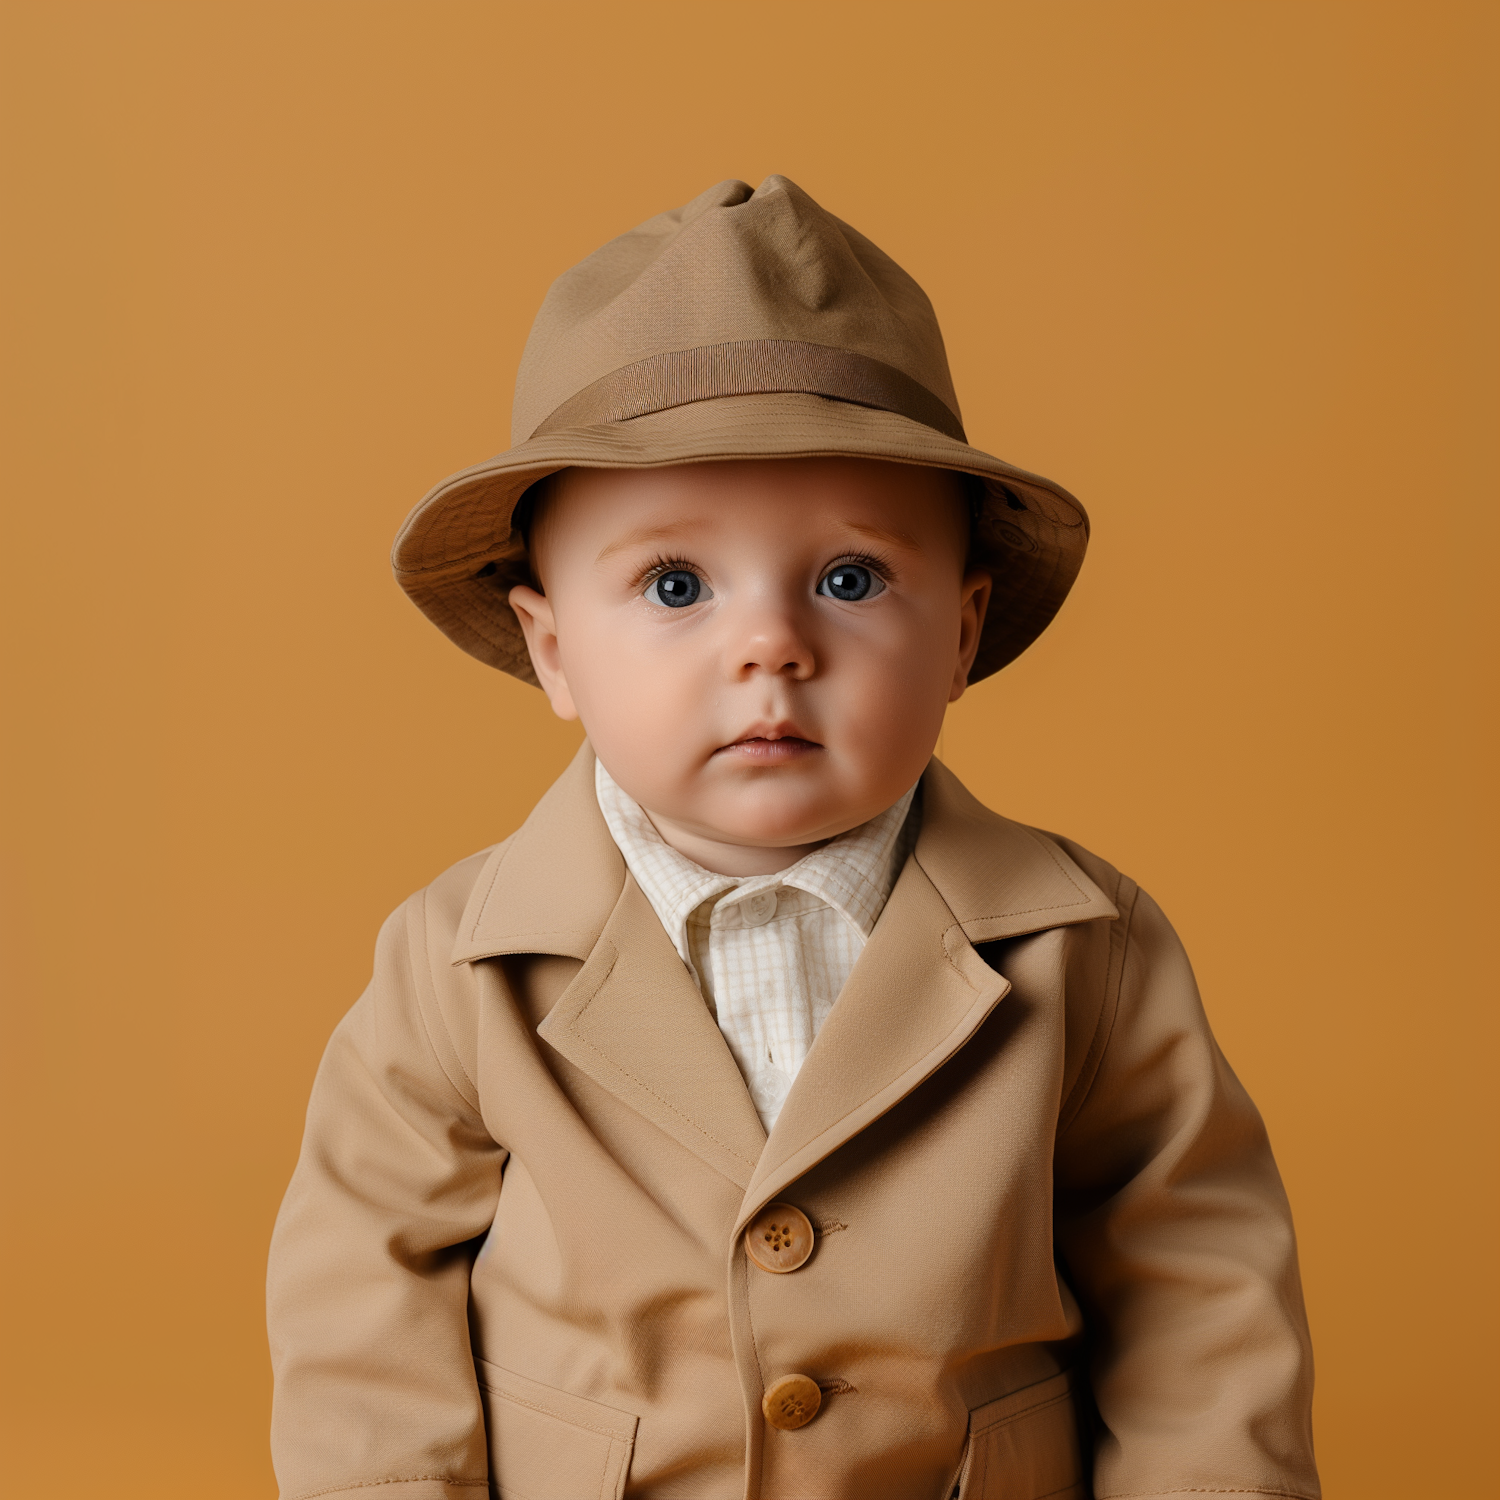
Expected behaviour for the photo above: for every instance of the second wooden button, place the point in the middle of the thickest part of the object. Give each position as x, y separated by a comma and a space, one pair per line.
779, 1238
792, 1402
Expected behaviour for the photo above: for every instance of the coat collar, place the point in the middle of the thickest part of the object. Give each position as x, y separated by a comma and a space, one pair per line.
551, 886
999, 879
633, 1019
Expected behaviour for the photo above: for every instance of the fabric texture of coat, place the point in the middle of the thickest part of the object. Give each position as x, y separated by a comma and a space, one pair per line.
1053, 1254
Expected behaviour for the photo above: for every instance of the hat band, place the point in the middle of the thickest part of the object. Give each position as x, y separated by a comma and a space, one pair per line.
751, 367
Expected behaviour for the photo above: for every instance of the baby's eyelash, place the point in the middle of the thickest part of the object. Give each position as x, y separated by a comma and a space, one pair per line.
654, 569
660, 565
878, 565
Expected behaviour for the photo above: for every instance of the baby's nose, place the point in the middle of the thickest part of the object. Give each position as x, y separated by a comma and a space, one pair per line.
774, 644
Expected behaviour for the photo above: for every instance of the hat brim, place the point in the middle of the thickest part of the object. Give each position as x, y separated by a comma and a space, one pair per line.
457, 557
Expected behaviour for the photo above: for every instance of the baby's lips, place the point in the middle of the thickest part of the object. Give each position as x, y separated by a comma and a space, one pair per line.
772, 729
772, 751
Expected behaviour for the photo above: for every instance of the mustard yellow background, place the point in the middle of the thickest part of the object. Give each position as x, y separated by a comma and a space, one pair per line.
1224, 269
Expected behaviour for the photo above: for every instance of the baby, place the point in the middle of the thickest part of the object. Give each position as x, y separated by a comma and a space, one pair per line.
766, 1117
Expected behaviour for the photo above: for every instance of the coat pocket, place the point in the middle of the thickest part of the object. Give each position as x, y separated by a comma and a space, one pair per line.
1025, 1447
546, 1444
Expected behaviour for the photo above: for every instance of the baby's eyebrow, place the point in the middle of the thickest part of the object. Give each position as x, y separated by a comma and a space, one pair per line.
643, 535
894, 538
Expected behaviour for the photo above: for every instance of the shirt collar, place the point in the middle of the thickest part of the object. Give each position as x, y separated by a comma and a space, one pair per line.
852, 873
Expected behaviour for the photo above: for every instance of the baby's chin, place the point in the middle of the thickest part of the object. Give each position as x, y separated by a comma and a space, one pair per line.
783, 821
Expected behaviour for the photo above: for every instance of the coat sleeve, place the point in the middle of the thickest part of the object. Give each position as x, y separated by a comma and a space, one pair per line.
369, 1268
1175, 1233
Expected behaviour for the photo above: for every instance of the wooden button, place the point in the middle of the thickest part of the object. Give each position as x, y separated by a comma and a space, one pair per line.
779, 1238
792, 1402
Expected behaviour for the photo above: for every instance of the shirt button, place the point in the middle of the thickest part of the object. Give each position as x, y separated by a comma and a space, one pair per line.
768, 1090
779, 1240
792, 1402
758, 909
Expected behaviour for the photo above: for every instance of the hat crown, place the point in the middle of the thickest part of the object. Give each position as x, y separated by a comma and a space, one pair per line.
733, 265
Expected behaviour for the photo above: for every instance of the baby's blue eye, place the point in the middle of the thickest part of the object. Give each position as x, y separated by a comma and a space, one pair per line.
676, 589
850, 581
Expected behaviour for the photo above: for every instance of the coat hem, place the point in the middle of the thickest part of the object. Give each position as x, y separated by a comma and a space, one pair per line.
1214, 1490
448, 1484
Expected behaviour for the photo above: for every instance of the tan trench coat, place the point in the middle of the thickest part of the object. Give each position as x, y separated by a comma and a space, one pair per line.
1054, 1257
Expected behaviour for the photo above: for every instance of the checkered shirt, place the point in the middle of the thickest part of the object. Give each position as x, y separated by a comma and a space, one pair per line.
770, 953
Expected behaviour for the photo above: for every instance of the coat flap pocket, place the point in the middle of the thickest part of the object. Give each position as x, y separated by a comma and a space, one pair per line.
547, 1444
1030, 1398
1025, 1446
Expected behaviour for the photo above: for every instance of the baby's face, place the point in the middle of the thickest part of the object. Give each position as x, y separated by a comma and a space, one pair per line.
760, 651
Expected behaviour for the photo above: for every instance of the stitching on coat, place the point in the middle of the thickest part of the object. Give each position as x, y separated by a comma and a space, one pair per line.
484, 905
1026, 911
687, 1119
1056, 856
1026, 1411
370, 1484
1151, 1494
427, 1029
1023, 911
614, 1437
1104, 1030
608, 1477
948, 932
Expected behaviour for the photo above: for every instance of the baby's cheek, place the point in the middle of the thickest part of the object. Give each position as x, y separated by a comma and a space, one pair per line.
643, 717
617, 674
901, 700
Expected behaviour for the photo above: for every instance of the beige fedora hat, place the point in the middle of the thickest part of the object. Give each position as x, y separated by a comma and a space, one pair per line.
747, 324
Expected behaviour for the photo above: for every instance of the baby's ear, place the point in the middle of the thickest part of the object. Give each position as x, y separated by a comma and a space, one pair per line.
539, 625
974, 600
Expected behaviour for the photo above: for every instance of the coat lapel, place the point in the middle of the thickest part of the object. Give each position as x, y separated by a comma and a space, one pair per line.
635, 1022
915, 997
632, 1017
551, 886
920, 990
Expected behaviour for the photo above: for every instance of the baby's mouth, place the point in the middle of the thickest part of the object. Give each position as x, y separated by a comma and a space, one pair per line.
773, 749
